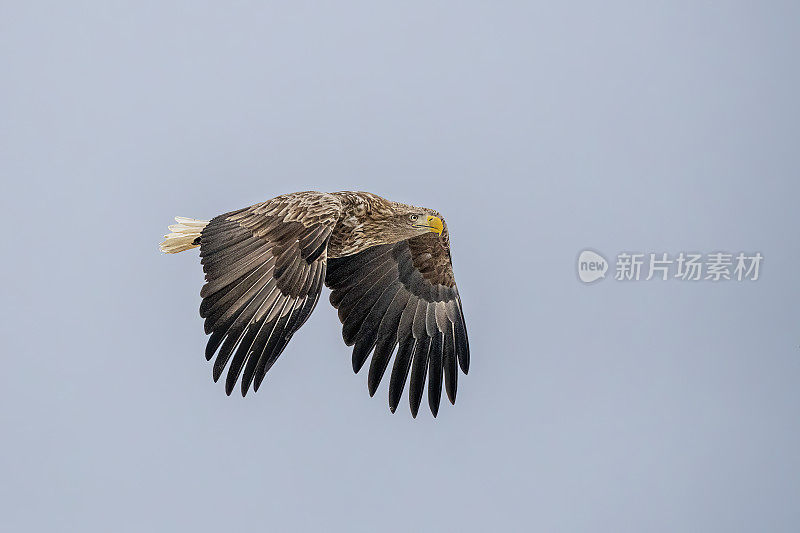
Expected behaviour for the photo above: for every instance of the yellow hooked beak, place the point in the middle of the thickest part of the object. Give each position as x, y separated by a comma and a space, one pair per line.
435, 223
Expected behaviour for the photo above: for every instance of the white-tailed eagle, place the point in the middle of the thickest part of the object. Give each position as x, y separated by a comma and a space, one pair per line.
388, 267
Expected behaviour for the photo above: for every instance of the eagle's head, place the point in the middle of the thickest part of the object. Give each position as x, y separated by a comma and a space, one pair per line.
404, 222
398, 223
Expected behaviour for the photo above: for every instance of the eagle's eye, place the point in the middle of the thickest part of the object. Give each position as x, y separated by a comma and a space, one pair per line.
413, 218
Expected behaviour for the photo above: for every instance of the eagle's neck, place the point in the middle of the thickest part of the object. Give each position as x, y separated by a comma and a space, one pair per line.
358, 227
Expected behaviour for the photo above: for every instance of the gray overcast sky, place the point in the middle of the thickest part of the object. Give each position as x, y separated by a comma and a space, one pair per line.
538, 129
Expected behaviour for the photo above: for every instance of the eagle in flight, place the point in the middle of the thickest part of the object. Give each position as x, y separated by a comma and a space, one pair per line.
388, 267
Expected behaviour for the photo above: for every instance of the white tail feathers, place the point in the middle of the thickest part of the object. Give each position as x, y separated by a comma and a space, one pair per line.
183, 236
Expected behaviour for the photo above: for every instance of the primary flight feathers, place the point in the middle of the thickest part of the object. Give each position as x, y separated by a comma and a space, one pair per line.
387, 265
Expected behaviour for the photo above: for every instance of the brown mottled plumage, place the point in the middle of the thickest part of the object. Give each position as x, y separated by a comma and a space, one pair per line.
388, 267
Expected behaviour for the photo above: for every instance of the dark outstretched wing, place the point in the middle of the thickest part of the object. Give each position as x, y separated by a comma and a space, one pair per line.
264, 267
403, 295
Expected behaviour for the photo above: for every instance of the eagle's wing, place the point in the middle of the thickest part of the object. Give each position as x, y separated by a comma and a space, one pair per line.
264, 267
403, 295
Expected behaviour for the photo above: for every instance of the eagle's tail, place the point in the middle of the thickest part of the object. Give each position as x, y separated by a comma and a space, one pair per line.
185, 235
